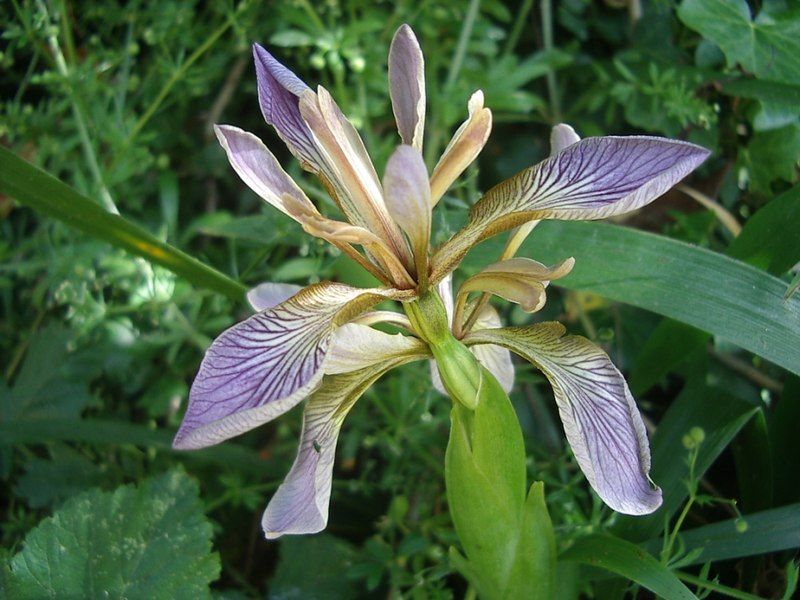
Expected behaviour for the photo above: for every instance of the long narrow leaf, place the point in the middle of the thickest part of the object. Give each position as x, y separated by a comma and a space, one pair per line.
767, 531
626, 559
707, 290
39, 190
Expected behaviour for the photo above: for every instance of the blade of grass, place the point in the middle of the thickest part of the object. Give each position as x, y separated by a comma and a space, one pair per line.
34, 187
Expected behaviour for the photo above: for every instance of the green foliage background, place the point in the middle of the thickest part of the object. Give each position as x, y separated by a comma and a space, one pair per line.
98, 347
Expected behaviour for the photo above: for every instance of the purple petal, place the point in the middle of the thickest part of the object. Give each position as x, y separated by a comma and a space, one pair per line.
258, 167
262, 367
407, 86
279, 92
600, 417
301, 503
590, 179
268, 295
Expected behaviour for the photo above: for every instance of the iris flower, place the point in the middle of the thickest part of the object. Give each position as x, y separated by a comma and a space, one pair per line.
318, 344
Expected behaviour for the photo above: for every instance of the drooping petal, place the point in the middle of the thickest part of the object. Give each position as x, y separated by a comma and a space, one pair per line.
464, 148
407, 86
356, 346
301, 503
408, 197
263, 366
355, 187
257, 166
562, 136
389, 317
601, 421
590, 179
268, 295
519, 280
279, 92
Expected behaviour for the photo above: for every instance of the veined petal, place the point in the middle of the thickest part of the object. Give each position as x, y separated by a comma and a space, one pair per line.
356, 346
268, 295
561, 137
355, 186
519, 280
590, 179
407, 86
301, 503
257, 166
263, 366
279, 92
408, 198
464, 148
601, 421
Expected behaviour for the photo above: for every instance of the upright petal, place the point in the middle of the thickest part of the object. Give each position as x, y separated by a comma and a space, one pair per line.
268, 295
355, 184
279, 92
301, 503
407, 86
590, 179
408, 198
258, 167
600, 417
464, 148
263, 366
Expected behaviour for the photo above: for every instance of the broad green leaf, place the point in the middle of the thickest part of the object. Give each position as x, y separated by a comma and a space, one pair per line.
768, 47
773, 155
707, 290
39, 190
769, 239
148, 542
766, 531
628, 560
720, 415
102, 431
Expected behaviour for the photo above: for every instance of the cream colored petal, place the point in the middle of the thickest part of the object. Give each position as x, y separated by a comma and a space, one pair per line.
408, 197
407, 86
519, 280
356, 347
465, 146
356, 189
496, 359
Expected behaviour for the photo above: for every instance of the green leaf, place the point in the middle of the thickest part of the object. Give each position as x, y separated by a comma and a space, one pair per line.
313, 567
693, 285
148, 542
769, 239
768, 47
773, 155
36, 188
46, 482
785, 442
766, 531
714, 410
630, 561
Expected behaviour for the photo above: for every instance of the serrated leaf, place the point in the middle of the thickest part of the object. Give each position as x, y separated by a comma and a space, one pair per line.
150, 541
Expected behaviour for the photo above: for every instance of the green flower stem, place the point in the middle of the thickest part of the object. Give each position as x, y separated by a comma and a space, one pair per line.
507, 538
